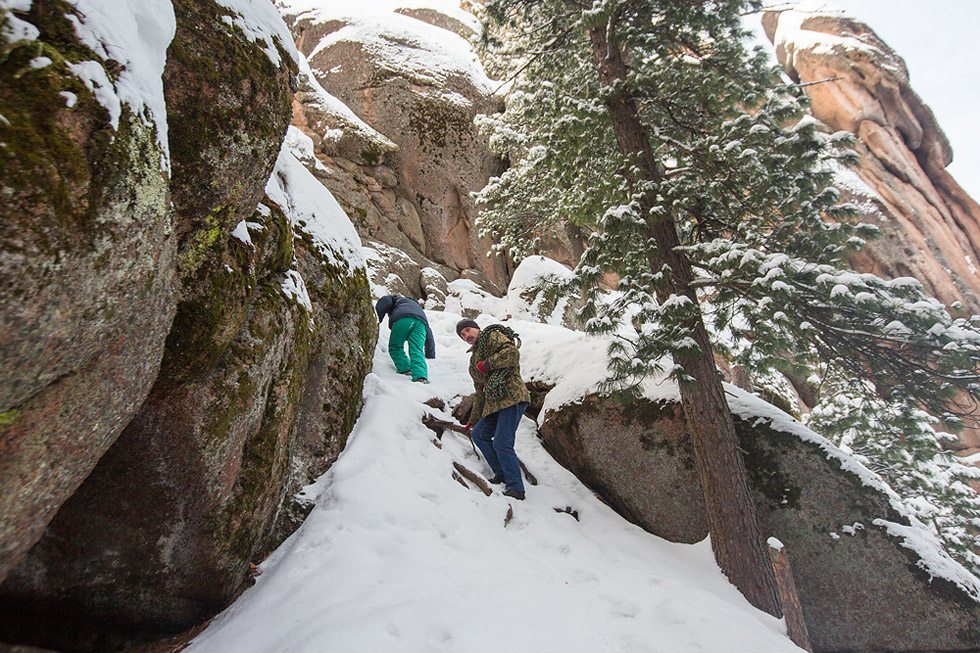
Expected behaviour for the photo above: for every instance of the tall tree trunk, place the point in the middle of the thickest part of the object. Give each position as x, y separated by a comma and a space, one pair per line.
735, 536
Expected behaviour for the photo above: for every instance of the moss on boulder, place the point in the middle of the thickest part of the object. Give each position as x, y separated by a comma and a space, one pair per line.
228, 108
86, 271
258, 387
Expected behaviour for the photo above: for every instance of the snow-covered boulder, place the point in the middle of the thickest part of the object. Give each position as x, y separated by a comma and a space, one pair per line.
207, 477
335, 129
535, 292
434, 288
392, 271
404, 71
86, 243
868, 578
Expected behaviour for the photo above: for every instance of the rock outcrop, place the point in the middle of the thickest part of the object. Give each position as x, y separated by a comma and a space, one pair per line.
860, 567
404, 166
87, 276
930, 227
206, 478
225, 336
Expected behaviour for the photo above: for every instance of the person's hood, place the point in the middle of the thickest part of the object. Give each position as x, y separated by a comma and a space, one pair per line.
384, 306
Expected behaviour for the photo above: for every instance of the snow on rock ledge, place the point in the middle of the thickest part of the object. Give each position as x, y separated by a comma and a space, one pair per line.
310, 207
136, 35
262, 24
861, 565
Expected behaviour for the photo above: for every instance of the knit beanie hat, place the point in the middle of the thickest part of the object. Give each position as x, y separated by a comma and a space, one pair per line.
462, 324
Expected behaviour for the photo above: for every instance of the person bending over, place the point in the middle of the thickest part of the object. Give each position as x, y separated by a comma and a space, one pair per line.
408, 323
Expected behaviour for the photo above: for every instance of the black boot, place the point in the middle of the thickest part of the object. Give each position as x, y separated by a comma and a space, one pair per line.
516, 494
497, 480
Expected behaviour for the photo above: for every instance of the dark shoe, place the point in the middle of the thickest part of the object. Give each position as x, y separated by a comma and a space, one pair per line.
406, 372
515, 494
421, 380
497, 480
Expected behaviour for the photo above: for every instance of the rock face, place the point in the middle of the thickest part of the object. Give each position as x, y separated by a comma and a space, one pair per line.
930, 227
253, 290
87, 278
406, 178
204, 479
858, 569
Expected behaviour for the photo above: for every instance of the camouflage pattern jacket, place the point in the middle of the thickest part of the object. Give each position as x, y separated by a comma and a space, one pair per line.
502, 386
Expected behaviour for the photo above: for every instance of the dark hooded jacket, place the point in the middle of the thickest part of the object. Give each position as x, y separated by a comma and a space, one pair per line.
396, 307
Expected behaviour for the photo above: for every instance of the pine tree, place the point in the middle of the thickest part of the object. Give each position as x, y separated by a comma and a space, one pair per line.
647, 123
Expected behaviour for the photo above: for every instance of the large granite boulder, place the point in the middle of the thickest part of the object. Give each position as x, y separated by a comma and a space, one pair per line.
867, 578
228, 103
87, 290
415, 81
260, 379
205, 479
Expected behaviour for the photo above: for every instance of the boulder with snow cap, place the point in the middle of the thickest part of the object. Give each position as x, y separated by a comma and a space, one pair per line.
392, 272
206, 478
536, 293
86, 244
434, 288
420, 86
868, 578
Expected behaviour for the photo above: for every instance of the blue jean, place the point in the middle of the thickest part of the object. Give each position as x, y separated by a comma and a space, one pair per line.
494, 436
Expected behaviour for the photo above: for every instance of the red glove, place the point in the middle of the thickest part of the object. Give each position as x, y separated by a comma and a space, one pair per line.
469, 426
482, 367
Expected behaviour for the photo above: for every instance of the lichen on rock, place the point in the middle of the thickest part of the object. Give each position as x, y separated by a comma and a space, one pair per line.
86, 272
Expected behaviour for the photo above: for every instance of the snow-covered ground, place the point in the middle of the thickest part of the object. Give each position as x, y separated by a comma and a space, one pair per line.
398, 556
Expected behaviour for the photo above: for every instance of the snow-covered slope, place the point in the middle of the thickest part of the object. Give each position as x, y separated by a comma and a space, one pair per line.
398, 556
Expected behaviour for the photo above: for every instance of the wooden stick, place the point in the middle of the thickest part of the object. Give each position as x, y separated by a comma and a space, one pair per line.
788, 596
474, 478
434, 422
437, 425
528, 475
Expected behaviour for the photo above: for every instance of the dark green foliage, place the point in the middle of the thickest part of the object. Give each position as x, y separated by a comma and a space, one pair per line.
744, 176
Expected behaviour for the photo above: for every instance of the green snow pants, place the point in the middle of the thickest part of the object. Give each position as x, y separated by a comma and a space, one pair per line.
411, 329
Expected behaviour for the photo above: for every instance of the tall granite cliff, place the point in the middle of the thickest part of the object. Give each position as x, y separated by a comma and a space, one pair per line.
394, 127
929, 226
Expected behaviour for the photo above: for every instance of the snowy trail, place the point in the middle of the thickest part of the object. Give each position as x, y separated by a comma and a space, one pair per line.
398, 556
